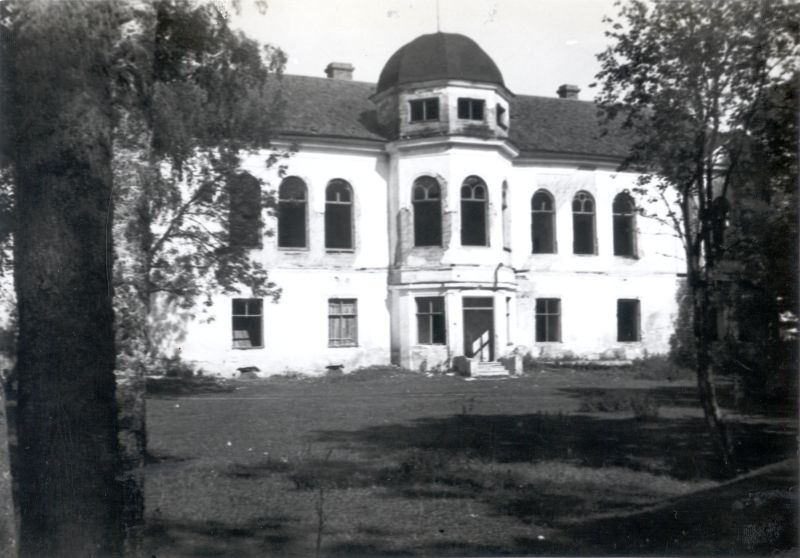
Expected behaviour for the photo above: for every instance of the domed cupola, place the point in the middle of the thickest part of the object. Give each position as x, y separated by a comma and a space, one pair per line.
439, 56
442, 84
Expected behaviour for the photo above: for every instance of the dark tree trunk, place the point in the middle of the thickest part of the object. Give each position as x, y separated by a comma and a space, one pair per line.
70, 496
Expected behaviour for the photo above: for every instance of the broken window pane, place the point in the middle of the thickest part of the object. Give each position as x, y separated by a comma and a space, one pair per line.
627, 320
247, 323
292, 213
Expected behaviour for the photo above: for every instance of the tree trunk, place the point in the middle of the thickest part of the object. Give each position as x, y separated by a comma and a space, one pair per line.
701, 312
70, 496
8, 529
131, 167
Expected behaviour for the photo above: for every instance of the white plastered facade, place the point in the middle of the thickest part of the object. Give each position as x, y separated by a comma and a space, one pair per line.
386, 273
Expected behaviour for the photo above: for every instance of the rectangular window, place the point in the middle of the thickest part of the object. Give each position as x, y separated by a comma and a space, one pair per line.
342, 322
470, 109
430, 321
627, 320
424, 109
548, 319
501, 117
247, 323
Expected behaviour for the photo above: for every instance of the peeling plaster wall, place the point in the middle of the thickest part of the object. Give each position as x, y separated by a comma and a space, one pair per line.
385, 272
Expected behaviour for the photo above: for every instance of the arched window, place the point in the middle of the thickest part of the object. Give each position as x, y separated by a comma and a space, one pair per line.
473, 212
427, 202
583, 224
624, 212
506, 219
543, 223
292, 200
245, 211
338, 215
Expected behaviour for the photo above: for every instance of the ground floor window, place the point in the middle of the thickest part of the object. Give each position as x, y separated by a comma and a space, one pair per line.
430, 320
342, 322
247, 323
627, 320
548, 319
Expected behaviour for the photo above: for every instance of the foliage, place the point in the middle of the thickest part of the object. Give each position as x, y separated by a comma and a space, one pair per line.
686, 81
210, 101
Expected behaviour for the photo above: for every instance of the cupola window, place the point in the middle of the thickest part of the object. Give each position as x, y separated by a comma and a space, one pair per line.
423, 110
470, 109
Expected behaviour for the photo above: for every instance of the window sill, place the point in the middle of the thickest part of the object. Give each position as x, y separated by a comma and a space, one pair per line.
288, 250
247, 348
343, 346
340, 250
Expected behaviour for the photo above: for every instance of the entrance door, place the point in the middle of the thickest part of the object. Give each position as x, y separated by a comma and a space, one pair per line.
479, 327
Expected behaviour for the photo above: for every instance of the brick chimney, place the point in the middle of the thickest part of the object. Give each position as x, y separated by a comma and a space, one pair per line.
568, 91
340, 70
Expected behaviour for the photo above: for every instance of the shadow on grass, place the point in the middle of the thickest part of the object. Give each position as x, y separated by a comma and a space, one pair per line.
166, 387
680, 448
265, 536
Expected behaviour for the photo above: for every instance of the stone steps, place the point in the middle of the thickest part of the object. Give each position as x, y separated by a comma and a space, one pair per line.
490, 370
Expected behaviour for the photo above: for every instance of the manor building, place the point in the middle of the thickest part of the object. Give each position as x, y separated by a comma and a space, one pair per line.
436, 219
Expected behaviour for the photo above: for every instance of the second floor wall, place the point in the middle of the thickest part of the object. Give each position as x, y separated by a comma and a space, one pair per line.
366, 210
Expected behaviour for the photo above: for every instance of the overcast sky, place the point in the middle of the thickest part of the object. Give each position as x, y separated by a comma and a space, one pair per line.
537, 44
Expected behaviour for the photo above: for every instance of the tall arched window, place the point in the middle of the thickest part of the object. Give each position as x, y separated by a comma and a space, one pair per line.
292, 200
474, 195
583, 224
427, 201
338, 215
244, 217
543, 223
624, 212
506, 219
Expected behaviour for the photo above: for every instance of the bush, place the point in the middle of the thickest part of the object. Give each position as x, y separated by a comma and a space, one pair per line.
175, 367
641, 404
660, 367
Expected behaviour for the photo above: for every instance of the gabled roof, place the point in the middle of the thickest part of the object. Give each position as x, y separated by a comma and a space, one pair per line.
341, 109
439, 56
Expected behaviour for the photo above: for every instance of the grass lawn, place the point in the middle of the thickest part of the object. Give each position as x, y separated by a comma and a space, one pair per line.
555, 462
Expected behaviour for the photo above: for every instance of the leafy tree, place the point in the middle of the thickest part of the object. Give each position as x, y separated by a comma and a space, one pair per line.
211, 101
685, 79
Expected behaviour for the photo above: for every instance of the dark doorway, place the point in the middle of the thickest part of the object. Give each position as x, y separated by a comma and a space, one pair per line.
479, 328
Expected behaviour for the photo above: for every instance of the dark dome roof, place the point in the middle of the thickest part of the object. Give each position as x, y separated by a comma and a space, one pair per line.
439, 56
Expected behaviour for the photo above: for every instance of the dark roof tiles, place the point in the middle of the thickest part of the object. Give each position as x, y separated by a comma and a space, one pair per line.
332, 108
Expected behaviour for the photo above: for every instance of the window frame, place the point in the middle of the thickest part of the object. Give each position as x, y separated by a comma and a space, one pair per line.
551, 213
546, 314
586, 196
351, 214
500, 116
250, 316
629, 218
293, 202
417, 209
342, 342
429, 313
476, 182
424, 103
635, 303
468, 104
